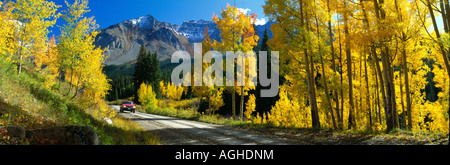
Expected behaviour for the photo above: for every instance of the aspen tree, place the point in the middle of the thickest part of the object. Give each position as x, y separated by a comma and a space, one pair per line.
34, 18
237, 34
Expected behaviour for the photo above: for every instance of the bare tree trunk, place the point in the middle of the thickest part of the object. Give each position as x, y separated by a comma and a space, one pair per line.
368, 91
310, 86
360, 92
390, 108
408, 93
405, 70
22, 44
330, 106
241, 113
391, 90
233, 102
447, 14
351, 118
315, 112
389, 111
341, 113
20, 64
402, 103
378, 98
335, 92
447, 19
444, 15
393, 95
366, 21
310, 75
383, 91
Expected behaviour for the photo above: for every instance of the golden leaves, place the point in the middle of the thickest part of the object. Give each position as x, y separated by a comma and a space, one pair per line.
250, 106
171, 91
80, 59
146, 96
287, 112
35, 17
236, 30
216, 100
6, 31
393, 27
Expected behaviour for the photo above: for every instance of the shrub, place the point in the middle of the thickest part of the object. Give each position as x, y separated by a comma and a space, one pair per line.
146, 96
250, 106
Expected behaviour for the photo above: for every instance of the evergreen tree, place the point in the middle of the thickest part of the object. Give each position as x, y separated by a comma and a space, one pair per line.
139, 74
147, 70
116, 94
122, 87
264, 45
264, 104
156, 74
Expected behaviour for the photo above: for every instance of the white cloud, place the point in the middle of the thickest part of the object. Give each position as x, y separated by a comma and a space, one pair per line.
245, 11
261, 21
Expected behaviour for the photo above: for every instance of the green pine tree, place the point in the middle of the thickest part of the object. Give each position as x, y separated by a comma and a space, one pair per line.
264, 45
147, 70
264, 104
139, 75
156, 74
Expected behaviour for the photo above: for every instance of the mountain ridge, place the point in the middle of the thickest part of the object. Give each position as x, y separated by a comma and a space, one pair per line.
123, 40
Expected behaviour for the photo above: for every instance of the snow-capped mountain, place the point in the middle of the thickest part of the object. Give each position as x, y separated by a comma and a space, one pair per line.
194, 30
123, 40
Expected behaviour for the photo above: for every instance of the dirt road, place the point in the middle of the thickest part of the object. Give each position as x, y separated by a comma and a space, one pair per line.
173, 131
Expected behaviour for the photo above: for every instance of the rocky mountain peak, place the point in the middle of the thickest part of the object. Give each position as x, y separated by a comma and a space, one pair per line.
123, 40
193, 30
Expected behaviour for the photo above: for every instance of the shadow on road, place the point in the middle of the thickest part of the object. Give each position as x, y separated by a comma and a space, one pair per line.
135, 119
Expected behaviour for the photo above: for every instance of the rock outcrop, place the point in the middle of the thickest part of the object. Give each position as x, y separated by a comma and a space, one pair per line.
65, 135
16, 131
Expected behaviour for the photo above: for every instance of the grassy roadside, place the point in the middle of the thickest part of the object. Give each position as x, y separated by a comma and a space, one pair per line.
186, 109
24, 101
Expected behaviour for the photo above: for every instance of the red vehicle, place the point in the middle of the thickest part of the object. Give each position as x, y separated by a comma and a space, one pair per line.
127, 106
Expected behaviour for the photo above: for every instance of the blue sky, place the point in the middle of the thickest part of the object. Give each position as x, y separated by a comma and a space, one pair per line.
109, 12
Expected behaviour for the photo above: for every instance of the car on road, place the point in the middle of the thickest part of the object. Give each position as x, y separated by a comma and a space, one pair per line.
127, 106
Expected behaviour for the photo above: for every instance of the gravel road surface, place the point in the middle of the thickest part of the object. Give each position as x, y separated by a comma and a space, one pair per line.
173, 131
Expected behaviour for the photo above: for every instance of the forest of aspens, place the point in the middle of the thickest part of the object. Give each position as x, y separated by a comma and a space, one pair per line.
362, 64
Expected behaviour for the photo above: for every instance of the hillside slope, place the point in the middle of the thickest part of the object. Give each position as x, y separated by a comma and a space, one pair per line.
25, 102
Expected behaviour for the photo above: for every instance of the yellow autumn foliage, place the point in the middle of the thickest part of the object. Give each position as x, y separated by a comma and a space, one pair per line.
170, 91
6, 32
215, 99
250, 107
47, 63
287, 112
34, 18
146, 96
430, 117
